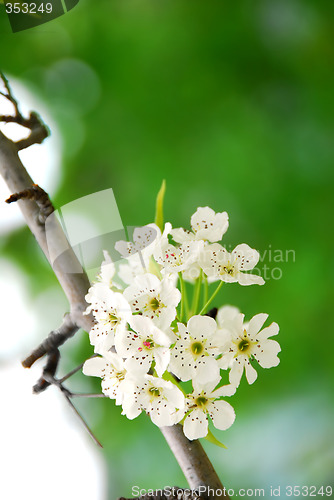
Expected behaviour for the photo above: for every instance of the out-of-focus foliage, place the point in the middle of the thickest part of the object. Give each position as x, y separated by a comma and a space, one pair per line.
233, 104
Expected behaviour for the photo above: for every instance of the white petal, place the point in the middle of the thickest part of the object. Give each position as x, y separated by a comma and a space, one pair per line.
139, 365
225, 361
93, 367
195, 425
162, 358
266, 355
246, 257
256, 323
225, 390
228, 313
251, 373
270, 331
222, 415
236, 373
208, 225
206, 369
201, 327
131, 409
249, 279
199, 385
180, 235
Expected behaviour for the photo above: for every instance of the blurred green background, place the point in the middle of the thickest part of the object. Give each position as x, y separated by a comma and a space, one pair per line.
232, 104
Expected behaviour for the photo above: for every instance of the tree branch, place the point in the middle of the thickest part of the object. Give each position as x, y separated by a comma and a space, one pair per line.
54, 340
75, 285
190, 455
38, 129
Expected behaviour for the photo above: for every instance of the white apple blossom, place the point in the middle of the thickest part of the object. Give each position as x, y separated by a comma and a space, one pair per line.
203, 402
205, 225
153, 298
110, 368
111, 312
134, 305
108, 271
245, 342
219, 264
176, 259
137, 255
146, 343
144, 239
161, 399
193, 356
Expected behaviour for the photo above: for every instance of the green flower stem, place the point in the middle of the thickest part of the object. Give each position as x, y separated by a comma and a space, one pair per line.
184, 298
212, 297
206, 290
197, 293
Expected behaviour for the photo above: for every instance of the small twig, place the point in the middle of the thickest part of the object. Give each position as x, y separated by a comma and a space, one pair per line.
38, 129
51, 380
72, 372
83, 395
9, 95
88, 429
49, 370
37, 194
55, 339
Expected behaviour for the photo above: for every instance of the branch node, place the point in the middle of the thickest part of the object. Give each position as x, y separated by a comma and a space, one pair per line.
49, 372
38, 130
55, 339
35, 193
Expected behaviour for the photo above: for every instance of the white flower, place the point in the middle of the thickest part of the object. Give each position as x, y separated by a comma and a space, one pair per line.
138, 255
218, 263
192, 273
108, 270
203, 403
111, 312
205, 225
153, 298
247, 341
143, 241
162, 400
143, 345
175, 259
111, 369
193, 356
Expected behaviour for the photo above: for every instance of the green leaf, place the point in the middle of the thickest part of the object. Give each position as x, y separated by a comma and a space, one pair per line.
159, 206
210, 437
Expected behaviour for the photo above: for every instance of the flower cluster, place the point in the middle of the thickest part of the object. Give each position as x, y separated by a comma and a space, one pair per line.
162, 353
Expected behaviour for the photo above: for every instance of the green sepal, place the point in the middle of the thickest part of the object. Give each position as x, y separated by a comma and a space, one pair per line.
210, 437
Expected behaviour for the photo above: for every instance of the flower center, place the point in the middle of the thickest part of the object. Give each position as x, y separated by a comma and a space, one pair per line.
154, 391
228, 270
120, 376
197, 347
201, 401
148, 344
113, 318
154, 304
244, 345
